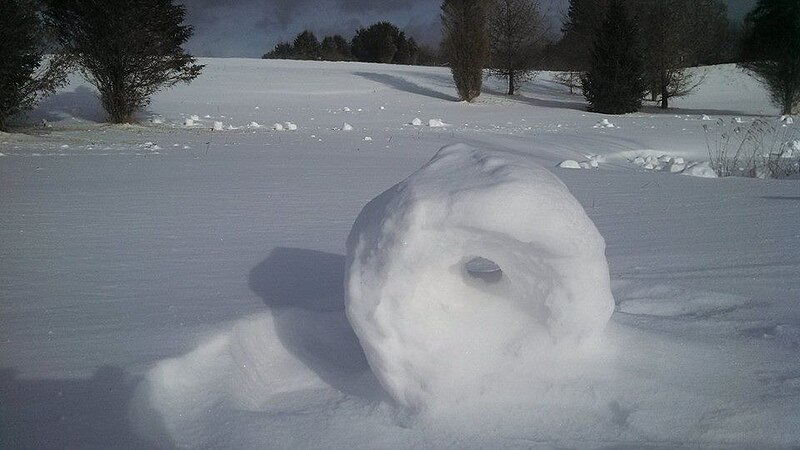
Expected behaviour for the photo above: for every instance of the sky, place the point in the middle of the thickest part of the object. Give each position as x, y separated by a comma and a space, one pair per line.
250, 28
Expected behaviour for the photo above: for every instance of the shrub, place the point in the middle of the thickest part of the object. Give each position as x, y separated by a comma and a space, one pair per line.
128, 49
465, 44
758, 150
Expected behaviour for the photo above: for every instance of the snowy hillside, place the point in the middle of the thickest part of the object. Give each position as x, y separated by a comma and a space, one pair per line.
181, 283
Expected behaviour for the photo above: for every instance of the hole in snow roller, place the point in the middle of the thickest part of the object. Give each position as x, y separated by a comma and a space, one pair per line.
483, 269
469, 272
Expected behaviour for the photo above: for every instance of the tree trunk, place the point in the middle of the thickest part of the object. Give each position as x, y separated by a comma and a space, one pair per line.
511, 87
664, 94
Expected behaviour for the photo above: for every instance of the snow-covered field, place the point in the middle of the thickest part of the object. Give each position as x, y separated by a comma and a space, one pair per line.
181, 283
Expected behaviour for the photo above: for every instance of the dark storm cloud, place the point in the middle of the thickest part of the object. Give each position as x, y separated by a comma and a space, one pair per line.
369, 6
249, 28
283, 12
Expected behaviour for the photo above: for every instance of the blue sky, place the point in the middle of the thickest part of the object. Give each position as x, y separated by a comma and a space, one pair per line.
250, 28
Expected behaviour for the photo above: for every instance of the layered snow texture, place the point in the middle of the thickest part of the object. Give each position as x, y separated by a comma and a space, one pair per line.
479, 266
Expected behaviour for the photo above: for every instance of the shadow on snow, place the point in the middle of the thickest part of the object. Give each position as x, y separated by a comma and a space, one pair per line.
64, 413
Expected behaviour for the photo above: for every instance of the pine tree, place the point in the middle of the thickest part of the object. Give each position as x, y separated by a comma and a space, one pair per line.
306, 46
336, 48
465, 44
614, 83
282, 50
583, 19
383, 42
24, 79
129, 49
771, 50
407, 52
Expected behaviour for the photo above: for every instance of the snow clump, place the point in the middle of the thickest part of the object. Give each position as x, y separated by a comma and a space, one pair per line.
149, 146
570, 164
218, 126
291, 126
254, 125
277, 127
437, 123
417, 122
593, 162
474, 274
188, 122
347, 127
605, 123
664, 163
701, 169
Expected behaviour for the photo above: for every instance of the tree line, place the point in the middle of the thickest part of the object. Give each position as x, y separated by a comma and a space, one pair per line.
619, 52
382, 42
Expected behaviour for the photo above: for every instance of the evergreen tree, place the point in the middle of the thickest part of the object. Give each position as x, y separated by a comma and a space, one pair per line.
614, 83
428, 56
383, 42
24, 78
336, 48
282, 50
407, 52
465, 44
306, 46
583, 19
771, 50
129, 49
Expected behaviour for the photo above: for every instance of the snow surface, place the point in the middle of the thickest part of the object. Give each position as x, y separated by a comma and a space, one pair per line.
193, 296
413, 303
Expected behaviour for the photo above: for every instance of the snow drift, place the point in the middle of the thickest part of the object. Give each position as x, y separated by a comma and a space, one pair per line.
479, 265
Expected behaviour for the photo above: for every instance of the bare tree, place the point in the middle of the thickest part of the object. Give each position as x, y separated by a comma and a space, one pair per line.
516, 29
679, 34
465, 44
